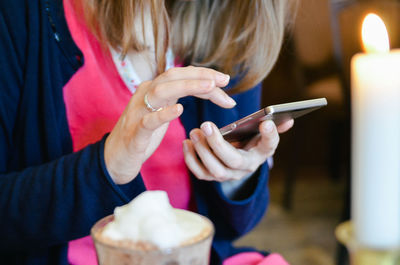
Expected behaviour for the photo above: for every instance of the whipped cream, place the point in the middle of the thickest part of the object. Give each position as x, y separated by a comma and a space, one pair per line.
151, 218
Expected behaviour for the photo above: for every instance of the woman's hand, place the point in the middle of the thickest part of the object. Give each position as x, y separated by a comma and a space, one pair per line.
210, 157
140, 130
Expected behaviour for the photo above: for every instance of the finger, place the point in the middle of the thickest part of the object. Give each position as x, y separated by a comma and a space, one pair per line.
154, 120
207, 157
167, 93
269, 139
218, 97
193, 163
284, 127
228, 154
192, 72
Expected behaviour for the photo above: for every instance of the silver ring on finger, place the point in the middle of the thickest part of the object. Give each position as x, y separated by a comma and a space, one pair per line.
149, 107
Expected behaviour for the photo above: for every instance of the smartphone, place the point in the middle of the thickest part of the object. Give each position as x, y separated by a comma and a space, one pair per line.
247, 127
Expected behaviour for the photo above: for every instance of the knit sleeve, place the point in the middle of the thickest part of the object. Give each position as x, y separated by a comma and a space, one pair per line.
57, 197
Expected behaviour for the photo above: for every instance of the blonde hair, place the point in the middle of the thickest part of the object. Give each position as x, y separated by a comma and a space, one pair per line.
232, 36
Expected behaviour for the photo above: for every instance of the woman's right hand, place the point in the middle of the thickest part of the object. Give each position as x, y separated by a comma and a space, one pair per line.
139, 130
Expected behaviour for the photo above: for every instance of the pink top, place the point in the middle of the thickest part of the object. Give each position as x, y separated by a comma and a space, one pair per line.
95, 97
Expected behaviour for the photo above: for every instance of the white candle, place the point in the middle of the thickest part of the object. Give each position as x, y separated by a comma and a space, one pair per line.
376, 141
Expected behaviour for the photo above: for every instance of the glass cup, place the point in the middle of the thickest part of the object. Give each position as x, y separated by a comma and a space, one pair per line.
112, 253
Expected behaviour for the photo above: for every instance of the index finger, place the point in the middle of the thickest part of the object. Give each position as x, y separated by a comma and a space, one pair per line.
167, 93
225, 152
193, 72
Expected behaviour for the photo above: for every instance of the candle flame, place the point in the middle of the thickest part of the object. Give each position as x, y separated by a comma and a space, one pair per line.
374, 34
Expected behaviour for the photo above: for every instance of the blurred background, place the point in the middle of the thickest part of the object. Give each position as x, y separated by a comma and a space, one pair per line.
310, 180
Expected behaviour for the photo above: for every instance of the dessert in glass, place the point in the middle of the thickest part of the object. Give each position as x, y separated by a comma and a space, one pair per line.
148, 231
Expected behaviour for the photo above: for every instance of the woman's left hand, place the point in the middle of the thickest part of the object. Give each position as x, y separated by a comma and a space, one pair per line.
210, 157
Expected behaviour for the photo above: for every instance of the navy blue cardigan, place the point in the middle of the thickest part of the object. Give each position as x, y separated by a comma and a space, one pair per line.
50, 195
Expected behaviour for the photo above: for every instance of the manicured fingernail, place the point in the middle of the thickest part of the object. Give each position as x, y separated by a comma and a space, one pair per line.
178, 108
227, 78
194, 137
230, 100
223, 78
269, 126
206, 128
207, 83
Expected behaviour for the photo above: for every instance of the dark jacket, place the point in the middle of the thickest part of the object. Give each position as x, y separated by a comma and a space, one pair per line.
50, 195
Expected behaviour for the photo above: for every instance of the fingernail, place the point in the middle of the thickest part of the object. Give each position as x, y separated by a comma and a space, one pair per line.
206, 128
223, 78
178, 108
194, 137
269, 126
230, 100
207, 83
227, 78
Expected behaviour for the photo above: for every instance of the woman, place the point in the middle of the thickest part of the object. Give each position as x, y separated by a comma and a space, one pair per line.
74, 71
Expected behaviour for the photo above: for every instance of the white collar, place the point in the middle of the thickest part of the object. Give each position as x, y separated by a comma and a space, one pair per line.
127, 72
